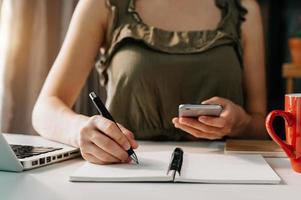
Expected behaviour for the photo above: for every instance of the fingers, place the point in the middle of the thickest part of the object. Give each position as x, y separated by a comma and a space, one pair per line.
109, 128
92, 159
105, 142
130, 136
216, 100
87, 146
199, 126
108, 145
213, 121
101, 155
230, 120
195, 132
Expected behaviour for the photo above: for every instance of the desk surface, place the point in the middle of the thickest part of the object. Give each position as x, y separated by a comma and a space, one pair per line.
51, 182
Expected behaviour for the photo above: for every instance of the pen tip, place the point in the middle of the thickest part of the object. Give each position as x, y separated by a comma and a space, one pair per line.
135, 159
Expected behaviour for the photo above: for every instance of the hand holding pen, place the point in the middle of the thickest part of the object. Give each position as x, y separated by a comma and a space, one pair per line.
105, 113
104, 142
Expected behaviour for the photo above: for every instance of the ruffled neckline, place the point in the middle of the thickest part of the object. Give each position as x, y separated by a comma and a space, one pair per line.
174, 42
126, 25
168, 41
222, 5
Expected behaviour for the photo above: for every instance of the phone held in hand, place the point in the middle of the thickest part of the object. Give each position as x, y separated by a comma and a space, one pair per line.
196, 110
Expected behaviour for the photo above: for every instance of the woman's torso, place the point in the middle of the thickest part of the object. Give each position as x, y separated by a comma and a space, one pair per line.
150, 71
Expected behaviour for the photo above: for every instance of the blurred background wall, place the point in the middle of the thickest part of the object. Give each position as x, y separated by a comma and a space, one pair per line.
31, 34
32, 31
282, 18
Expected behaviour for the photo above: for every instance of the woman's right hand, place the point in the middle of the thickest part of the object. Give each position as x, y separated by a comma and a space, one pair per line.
101, 141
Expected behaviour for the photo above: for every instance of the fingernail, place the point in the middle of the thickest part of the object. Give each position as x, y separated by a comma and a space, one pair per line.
126, 146
134, 143
201, 118
132, 135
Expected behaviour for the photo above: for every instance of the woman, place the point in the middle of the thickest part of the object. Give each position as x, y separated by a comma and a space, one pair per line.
158, 54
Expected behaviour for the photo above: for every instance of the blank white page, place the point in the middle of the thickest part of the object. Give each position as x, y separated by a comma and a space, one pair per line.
152, 167
219, 168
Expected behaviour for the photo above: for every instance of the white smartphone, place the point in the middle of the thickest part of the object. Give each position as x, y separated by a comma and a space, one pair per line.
196, 110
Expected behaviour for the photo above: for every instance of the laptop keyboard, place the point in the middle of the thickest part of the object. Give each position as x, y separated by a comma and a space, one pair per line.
25, 151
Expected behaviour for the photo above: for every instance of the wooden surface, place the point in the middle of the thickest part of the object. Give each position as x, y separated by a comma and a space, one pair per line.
267, 148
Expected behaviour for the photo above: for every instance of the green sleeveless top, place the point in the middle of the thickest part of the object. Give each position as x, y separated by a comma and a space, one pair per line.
148, 72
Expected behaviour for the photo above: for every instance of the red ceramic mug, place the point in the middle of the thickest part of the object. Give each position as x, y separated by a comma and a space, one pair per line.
292, 117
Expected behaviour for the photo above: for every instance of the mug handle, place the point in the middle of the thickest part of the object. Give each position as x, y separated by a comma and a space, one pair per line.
289, 118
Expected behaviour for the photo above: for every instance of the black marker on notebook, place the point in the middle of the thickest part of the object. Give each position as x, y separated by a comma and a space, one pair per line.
105, 113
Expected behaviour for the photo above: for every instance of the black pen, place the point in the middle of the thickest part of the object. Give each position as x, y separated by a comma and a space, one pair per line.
105, 113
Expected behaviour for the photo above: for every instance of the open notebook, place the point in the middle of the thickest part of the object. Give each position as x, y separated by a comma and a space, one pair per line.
194, 168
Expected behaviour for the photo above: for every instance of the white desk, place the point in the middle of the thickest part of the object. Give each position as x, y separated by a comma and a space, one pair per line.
51, 182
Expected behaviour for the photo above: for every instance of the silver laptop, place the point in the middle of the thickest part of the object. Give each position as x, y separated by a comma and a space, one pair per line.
24, 152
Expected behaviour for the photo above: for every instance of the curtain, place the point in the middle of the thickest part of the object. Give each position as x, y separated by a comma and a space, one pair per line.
31, 34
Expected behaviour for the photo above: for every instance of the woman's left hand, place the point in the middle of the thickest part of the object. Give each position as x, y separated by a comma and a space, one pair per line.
232, 121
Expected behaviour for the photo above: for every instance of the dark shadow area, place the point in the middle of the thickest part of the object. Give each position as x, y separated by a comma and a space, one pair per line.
281, 19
